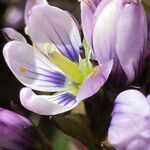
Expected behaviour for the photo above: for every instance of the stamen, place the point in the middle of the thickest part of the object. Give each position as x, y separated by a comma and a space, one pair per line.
95, 71
70, 68
94, 62
82, 52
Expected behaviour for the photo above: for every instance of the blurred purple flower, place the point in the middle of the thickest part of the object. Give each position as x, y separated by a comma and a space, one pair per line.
16, 132
54, 63
116, 29
13, 16
15, 13
129, 128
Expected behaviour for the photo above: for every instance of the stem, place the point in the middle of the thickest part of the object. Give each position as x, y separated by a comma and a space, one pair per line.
99, 110
45, 142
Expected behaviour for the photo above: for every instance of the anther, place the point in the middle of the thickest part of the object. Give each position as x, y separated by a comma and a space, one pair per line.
94, 62
82, 52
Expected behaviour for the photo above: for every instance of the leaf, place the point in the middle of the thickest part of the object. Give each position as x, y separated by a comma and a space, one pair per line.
59, 140
75, 125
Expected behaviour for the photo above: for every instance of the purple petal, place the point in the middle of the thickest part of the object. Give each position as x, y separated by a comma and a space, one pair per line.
32, 68
131, 37
29, 5
129, 118
47, 105
87, 13
139, 144
56, 27
100, 8
96, 2
16, 132
94, 81
148, 98
103, 35
13, 34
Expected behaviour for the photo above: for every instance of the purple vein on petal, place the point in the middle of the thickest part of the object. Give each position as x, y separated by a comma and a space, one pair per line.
71, 56
65, 52
55, 78
42, 71
65, 99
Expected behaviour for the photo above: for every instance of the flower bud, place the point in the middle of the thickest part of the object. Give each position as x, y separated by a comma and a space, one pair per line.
16, 132
129, 128
120, 33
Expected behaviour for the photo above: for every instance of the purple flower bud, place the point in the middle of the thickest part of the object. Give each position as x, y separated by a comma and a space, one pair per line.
16, 132
120, 33
129, 128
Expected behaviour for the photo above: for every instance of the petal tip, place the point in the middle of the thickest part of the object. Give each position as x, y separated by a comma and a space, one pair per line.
25, 94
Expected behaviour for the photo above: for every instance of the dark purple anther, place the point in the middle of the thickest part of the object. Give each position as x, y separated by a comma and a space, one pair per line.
82, 52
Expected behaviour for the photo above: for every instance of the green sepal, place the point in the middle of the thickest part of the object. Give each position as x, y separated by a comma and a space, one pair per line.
70, 68
85, 64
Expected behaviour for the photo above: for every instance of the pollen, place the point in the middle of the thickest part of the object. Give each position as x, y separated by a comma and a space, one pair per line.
22, 69
95, 71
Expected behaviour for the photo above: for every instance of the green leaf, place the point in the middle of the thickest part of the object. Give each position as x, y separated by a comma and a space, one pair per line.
75, 125
60, 140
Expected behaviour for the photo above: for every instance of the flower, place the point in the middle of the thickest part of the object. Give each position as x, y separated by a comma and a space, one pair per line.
13, 16
53, 63
16, 132
129, 128
120, 35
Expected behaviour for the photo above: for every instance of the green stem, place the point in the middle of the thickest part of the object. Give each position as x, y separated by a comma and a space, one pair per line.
99, 110
44, 141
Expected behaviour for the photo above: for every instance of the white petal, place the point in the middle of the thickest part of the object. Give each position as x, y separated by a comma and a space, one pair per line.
32, 68
13, 34
47, 105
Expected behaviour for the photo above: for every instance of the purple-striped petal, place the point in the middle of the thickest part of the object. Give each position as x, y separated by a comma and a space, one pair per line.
131, 38
56, 27
94, 81
12, 34
29, 5
130, 119
45, 104
32, 68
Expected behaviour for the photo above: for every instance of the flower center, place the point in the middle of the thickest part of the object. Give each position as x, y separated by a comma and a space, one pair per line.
70, 68
76, 72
